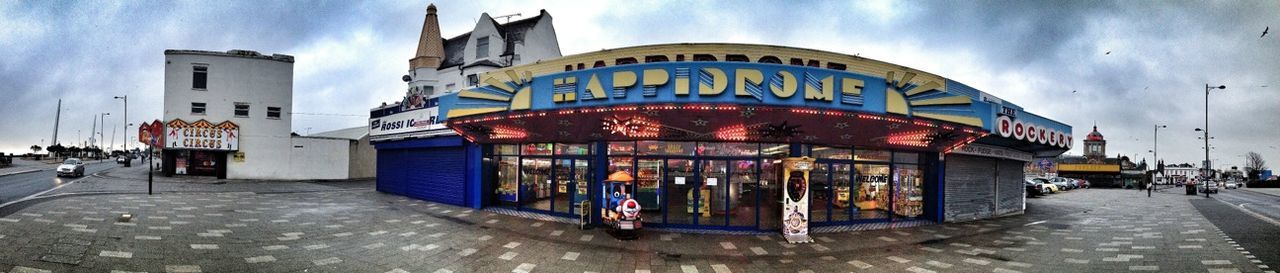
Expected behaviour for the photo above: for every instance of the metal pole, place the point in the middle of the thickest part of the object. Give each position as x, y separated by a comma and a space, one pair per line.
151, 166
1206, 142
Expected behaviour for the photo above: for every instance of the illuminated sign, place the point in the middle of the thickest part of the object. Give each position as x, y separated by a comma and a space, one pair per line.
1105, 168
1008, 127
404, 122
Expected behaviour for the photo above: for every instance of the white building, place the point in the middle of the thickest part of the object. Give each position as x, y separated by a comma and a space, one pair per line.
443, 66
227, 114
1178, 173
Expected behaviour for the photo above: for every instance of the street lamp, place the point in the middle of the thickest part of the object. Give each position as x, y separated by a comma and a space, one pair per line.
1155, 143
128, 161
101, 120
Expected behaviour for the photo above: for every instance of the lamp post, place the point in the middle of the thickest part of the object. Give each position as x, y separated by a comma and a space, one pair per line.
1206, 134
1155, 143
127, 161
102, 119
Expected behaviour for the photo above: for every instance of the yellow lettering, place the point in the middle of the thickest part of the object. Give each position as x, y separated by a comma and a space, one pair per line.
851, 86
828, 84
625, 79
719, 81
655, 77
788, 85
743, 77
594, 87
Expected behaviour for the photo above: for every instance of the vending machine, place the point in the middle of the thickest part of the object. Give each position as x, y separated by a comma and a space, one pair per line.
795, 199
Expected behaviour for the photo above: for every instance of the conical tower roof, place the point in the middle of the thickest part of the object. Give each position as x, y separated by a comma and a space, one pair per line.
430, 44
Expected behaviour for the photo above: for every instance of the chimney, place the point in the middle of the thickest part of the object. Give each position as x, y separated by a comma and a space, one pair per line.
430, 44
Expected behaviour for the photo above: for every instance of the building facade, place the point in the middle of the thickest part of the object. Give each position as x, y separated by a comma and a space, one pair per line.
703, 129
228, 114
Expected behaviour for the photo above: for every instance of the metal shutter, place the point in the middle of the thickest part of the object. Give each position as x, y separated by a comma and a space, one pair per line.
970, 188
432, 174
1010, 189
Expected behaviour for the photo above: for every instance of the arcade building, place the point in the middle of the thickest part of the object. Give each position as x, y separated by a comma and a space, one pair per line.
702, 129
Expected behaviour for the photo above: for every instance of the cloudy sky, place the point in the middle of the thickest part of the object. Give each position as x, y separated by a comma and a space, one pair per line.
1048, 56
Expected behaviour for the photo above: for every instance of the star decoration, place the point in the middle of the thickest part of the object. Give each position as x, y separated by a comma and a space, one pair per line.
565, 122
563, 133
596, 135
747, 112
810, 138
518, 122
893, 126
783, 130
846, 136
842, 125
477, 129
651, 113
699, 122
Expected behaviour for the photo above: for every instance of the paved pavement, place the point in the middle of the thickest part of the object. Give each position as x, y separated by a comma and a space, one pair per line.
349, 229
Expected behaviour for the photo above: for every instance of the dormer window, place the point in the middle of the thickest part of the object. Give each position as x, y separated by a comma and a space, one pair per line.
482, 48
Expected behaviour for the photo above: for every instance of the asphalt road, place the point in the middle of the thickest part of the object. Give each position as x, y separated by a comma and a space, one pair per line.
14, 187
1257, 236
1268, 205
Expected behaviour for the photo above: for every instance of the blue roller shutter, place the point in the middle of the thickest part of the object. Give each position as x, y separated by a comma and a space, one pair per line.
432, 174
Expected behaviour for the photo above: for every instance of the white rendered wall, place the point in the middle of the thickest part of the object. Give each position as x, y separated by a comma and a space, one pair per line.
260, 83
317, 158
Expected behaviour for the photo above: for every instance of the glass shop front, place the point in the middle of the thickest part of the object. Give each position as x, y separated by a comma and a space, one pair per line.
708, 185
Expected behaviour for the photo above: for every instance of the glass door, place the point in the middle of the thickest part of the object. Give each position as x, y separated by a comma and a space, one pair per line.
681, 198
771, 195
842, 197
649, 188
581, 180
535, 183
561, 196
714, 188
743, 191
820, 193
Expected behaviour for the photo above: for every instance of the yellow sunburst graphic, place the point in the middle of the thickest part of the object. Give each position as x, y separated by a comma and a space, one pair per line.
515, 93
925, 100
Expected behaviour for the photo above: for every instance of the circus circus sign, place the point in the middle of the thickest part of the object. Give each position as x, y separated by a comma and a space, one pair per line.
202, 135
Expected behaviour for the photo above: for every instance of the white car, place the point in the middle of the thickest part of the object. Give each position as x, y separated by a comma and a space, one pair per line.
71, 167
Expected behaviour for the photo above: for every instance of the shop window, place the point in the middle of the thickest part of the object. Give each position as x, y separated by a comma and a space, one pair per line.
773, 150
200, 77
770, 191
728, 149
537, 149
666, 148
273, 112
648, 182
242, 110
506, 149
841, 192
871, 155
871, 196
679, 183
473, 80
827, 152
572, 149
819, 193
906, 157
711, 205
908, 200
198, 108
507, 191
622, 148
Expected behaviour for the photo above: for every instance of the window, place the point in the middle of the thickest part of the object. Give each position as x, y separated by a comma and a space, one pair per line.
197, 108
200, 77
482, 47
473, 80
242, 110
273, 112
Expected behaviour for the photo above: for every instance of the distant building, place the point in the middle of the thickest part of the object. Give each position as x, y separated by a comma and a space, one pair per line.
1094, 165
228, 114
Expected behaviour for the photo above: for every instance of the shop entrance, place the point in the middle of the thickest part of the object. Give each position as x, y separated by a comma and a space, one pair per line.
708, 192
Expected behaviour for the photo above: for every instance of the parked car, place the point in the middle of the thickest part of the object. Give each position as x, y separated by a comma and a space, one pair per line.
1033, 188
71, 167
1062, 183
1080, 183
1232, 185
1048, 186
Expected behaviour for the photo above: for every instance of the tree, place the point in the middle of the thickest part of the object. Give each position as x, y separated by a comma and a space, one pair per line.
75, 151
1253, 161
56, 149
35, 149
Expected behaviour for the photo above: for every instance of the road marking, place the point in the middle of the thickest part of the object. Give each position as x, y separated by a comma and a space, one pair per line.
1240, 207
1035, 223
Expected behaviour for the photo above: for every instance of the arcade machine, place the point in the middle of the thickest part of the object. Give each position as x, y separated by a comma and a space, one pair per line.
795, 199
621, 211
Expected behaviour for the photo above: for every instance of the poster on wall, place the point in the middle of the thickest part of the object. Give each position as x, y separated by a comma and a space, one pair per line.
795, 209
202, 135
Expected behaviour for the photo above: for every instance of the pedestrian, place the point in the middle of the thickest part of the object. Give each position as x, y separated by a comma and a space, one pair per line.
1149, 188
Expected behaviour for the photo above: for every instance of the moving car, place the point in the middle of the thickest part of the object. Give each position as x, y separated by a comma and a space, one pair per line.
71, 167
1232, 185
1209, 188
